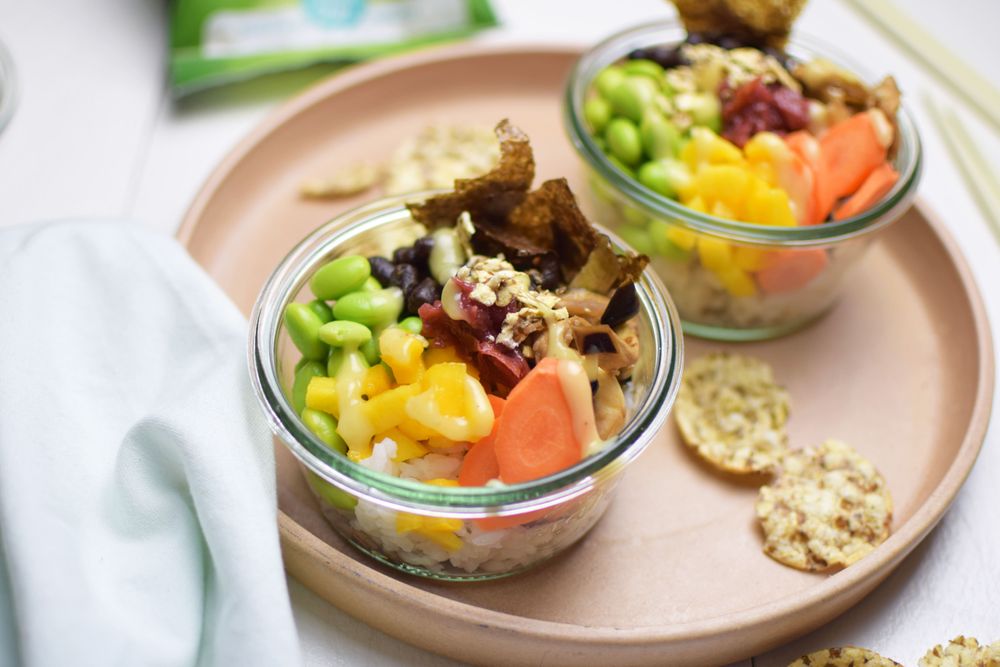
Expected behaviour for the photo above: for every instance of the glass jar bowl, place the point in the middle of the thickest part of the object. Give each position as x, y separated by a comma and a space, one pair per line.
708, 263
498, 530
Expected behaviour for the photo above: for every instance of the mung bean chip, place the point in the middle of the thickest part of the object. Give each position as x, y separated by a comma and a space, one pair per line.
962, 652
846, 656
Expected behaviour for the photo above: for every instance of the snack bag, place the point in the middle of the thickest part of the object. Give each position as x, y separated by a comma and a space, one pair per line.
218, 41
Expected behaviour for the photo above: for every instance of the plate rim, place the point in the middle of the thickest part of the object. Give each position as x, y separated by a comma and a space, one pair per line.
303, 544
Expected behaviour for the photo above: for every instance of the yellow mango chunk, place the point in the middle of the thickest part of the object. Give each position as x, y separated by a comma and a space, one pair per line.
414, 429
406, 448
321, 394
715, 254
439, 530
682, 238
388, 409
769, 206
376, 381
749, 259
360, 454
452, 404
736, 281
403, 352
441, 481
726, 184
706, 147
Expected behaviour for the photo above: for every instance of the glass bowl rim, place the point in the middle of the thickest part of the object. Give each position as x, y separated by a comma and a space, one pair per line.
285, 283
875, 217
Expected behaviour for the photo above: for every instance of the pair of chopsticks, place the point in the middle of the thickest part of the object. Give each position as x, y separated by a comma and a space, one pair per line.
960, 79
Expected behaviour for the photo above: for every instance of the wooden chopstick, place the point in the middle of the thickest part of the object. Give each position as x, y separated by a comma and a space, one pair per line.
977, 171
947, 68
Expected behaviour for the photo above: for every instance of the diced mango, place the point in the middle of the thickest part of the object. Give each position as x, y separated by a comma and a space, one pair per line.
388, 409
715, 254
403, 351
439, 530
441, 481
706, 147
697, 203
736, 281
406, 447
439, 355
452, 403
749, 259
769, 206
440, 442
321, 394
376, 381
447, 381
727, 184
720, 210
682, 238
414, 429
360, 454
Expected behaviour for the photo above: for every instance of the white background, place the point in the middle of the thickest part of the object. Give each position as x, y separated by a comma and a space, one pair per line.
96, 134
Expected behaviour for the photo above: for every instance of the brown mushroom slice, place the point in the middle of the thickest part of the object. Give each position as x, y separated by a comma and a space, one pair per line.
584, 303
603, 343
609, 405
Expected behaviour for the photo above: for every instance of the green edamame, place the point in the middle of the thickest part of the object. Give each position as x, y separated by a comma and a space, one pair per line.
660, 138
370, 285
447, 255
303, 374
371, 309
334, 360
371, 350
637, 238
634, 216
413, 324
623, 139
632, 97
322, 310
324, 426
303, 326
655, 176
643, 67
608, 79
662, 245
344, 333
337, 497
621, 165
339, 277
597, 112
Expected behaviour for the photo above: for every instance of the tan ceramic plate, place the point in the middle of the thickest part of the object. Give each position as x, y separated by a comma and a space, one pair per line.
673, 574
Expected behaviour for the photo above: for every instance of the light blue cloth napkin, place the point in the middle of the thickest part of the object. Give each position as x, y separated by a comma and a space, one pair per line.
137, 499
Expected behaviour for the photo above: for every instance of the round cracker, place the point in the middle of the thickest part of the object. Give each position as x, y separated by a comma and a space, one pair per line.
732, 414
828, 508
962, 652
846, 656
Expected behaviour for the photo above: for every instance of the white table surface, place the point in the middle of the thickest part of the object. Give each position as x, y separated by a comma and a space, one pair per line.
97, 135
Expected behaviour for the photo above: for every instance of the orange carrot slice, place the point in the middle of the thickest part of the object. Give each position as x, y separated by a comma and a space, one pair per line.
851, 150
878, 183
789, 270
535, 437
480, 463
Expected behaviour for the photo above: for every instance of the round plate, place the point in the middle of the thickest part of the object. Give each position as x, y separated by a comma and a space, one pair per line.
673, 574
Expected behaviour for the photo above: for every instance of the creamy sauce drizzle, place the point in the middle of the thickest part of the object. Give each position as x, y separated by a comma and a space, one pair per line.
576, 390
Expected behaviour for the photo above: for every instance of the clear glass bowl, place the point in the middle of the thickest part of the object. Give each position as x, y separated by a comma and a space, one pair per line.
820, 256
503, 529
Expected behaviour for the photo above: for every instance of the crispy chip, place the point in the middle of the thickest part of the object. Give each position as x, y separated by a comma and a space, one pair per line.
828, 508
531, 229
962, 652
847, 656
346, 181
732, 414
766, 21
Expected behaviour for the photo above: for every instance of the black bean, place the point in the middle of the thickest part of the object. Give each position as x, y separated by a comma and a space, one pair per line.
598, 342
548, 269
382, 269
423, 246
408, 255
405, 277
666, 56
426, 291
624, 305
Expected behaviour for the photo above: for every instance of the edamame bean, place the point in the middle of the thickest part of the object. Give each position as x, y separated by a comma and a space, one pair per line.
608, 79
637, 238
623, 139
322, 310
344, 333
412, 324
655, 176
324, 426
339, 277
597, 112
371, 350
660, 137
447, 256
303, 375
371, 309
333, 361
634, 216
303, 326
632, 97
621, 165
337, 497
370, 285
643, 67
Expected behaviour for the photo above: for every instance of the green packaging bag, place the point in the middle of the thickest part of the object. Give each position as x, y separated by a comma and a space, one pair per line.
217, 41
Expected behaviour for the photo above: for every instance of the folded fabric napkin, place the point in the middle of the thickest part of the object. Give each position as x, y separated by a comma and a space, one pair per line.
137, 499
